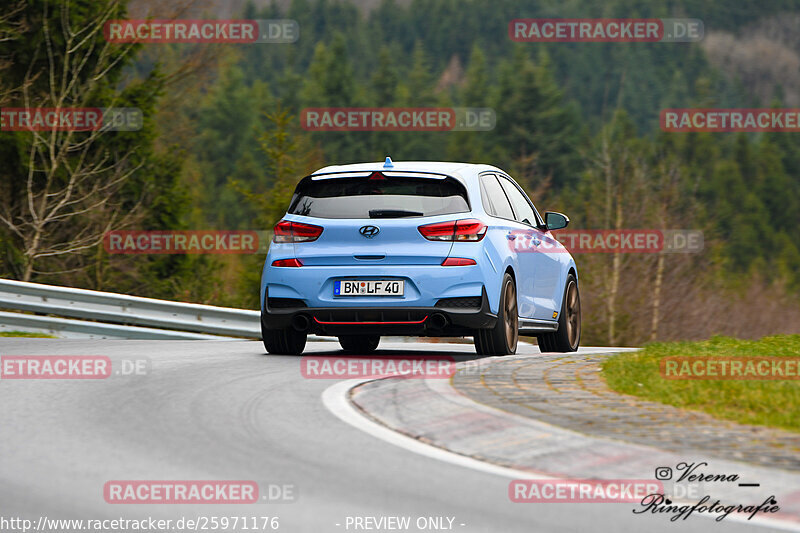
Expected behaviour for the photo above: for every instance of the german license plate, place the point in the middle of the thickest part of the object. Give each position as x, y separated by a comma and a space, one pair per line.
357, 287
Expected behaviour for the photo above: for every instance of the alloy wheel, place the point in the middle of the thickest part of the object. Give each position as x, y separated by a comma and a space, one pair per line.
511, 316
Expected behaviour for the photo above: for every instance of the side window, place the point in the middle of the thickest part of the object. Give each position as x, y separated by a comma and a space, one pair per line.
494, 199
522, 208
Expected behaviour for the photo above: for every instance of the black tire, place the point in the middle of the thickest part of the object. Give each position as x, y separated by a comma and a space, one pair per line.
287, 341
568, 336
503, 337
359, 344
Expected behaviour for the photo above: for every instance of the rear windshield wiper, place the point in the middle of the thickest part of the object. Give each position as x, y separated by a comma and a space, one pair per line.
393, 213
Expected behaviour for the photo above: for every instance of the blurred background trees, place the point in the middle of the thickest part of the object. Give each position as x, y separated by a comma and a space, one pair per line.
577, 125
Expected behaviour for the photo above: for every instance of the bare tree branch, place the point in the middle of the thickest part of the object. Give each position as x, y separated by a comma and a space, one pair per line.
70, 197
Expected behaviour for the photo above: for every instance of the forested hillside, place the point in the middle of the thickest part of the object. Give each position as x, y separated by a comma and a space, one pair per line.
577, 125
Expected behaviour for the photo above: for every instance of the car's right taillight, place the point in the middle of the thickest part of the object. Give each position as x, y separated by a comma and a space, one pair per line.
468, 229
458, 262
288, 231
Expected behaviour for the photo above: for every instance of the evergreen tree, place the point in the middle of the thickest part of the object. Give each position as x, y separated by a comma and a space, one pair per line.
474, 146
538, 132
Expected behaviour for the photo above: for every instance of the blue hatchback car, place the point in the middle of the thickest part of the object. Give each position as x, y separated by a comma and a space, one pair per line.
418, 249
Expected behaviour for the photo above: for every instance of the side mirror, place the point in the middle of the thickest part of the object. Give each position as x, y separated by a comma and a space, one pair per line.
553, 220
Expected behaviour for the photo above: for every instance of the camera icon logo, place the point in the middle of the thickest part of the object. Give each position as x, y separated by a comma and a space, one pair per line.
663, 473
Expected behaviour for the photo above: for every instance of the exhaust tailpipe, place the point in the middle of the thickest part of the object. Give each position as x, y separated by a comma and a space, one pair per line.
438, 321
301, 323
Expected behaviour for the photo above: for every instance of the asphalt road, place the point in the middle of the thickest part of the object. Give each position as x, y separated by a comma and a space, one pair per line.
220, 410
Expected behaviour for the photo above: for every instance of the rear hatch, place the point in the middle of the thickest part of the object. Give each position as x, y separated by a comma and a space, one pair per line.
372, 217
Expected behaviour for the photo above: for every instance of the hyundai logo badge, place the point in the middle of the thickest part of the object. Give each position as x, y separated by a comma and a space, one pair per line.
369, 231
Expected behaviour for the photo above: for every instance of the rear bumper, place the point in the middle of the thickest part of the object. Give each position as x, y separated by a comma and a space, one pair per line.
425, 284
436, 321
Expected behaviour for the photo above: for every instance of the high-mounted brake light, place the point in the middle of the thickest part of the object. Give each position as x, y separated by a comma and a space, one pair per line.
287, 263
288, 231
458, 262
468, 229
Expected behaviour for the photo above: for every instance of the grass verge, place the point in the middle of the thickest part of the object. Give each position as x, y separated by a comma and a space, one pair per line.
25, 334
774, 403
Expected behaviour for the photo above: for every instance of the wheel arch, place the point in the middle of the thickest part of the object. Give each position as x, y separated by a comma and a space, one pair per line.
559, 295
572, 270
494, 292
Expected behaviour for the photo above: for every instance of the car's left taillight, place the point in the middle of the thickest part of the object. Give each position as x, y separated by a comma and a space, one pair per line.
294, 263
288, 231
468, 229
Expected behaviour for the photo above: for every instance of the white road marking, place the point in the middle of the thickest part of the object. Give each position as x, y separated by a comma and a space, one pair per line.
336, 399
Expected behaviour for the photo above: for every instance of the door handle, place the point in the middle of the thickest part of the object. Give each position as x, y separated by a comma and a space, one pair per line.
511, 236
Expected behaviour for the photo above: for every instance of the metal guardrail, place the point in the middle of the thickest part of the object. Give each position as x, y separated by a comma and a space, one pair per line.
122, 312
83, 329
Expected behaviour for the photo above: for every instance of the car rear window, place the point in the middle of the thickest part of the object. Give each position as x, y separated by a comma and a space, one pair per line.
379, 196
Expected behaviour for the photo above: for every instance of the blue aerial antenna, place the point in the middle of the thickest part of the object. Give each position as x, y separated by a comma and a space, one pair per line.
388, 163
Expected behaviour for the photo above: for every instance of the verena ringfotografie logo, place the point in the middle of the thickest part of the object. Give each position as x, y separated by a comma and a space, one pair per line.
605, 30
186, 242
70, 367
582, 490
729, 120
398, 119
320, 367
623, 241
70, 119
730, 368
202, 31
660, 504
692, 473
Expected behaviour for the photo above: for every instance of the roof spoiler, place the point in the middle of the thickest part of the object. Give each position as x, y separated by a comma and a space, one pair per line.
365, 173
